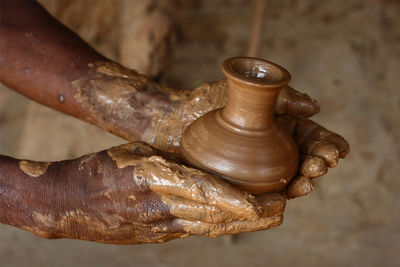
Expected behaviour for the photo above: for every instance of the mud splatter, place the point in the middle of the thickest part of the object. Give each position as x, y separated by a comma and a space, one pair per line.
32, 168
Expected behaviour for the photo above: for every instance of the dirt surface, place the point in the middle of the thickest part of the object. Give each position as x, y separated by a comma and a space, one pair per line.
346, 54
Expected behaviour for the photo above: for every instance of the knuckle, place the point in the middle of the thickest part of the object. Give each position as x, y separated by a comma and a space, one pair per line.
140, 178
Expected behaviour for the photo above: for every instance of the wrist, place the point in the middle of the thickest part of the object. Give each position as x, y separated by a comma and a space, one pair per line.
26, 196
122, 101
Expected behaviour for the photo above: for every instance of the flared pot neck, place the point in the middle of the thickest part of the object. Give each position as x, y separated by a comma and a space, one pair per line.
253, 88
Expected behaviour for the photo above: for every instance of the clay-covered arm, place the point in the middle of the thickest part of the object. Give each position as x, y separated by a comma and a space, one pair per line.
127, 195
135, 108
44, 60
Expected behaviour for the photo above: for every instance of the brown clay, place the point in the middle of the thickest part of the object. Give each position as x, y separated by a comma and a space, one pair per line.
242, 142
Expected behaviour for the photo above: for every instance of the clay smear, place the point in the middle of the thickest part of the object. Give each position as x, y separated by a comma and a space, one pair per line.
132, 106
188, 188
32, 168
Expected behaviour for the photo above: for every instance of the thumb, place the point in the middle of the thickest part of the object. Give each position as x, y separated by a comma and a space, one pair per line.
293, 103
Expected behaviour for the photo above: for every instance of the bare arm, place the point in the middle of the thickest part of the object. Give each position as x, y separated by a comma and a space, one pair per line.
137, 194
127, 195
45, 61
40, 56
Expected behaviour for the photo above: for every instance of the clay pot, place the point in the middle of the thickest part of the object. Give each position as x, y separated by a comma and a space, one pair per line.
242, 142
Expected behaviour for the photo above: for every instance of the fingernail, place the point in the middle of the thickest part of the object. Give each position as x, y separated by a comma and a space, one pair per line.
299, 187
313, 167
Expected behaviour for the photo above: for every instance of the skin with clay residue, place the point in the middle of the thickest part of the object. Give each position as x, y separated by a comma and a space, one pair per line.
137, 193
147, 111
132, 106
33, 168
134, 193
176, 183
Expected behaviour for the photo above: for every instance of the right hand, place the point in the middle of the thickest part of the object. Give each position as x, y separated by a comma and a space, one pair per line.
136, 194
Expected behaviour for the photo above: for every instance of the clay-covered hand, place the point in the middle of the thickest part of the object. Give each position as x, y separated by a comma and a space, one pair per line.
137, 194
319, 149
134, 194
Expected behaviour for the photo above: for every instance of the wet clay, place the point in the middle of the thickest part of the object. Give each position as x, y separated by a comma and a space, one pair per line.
33, 168
166, 178
242, 142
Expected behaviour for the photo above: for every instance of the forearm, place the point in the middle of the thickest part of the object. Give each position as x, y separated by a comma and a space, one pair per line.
45, 61
51, 200
88, 198
127, 195
40, 57
28, 195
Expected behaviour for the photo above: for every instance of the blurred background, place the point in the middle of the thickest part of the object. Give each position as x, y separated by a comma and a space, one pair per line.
344, 53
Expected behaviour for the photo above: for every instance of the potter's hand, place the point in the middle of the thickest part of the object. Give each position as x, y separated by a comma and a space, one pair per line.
170, 200
128, 195
319, 149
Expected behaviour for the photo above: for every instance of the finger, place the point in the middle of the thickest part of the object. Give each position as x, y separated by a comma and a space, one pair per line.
271, 204
169, 207
193, 211
293, 103
314, 139
325, 150
214, 230
299, 186
313, 167
168, 178
325, 135
307, 129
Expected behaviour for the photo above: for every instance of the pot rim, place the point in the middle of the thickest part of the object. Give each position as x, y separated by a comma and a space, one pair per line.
255, 72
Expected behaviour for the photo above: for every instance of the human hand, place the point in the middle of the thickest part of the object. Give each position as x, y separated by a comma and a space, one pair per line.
134, 194
171, 200
137, 194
